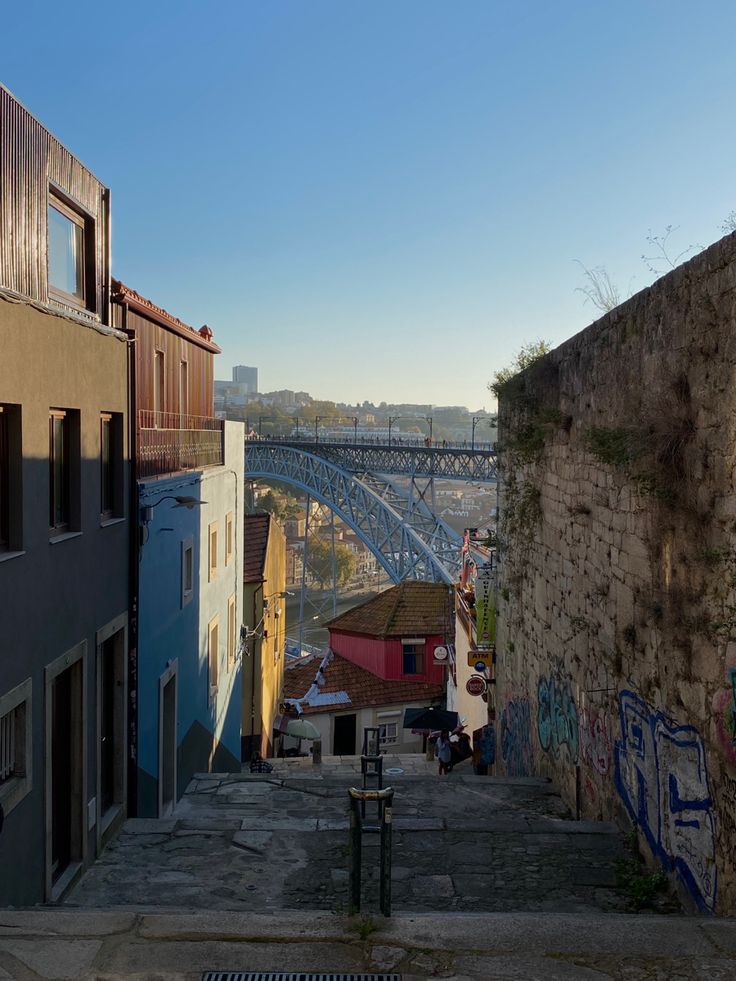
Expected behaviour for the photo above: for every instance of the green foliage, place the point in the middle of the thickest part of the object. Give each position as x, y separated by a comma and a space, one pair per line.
641, 885
364, 925
505, 594
522, 511
527, 444
616, 447
320, 561
528, 355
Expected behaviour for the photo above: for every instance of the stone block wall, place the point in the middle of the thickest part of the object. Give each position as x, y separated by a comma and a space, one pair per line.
617, 587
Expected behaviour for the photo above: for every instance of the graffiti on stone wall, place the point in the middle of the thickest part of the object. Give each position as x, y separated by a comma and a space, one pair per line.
724, 715
661, 775
595, 740
557, 718
516, 738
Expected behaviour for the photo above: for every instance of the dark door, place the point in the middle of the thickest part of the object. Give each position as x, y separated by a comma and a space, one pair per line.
61, 779
107, 727
344, 738
168, 747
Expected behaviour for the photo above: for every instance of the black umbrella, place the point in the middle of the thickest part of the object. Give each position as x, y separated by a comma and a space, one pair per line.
430, 718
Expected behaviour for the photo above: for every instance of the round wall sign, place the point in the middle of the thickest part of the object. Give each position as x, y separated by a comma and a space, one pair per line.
475, 685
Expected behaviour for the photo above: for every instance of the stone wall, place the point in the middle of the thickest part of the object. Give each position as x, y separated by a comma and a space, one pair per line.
617, 588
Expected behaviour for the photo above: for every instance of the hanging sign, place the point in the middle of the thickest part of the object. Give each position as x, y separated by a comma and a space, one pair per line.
486, 658
475, 685
485, 613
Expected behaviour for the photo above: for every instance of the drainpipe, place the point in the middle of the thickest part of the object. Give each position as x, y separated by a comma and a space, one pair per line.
256, 641
133, 577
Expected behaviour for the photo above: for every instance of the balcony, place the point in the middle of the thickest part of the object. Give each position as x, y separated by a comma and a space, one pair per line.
465, 614
168, 442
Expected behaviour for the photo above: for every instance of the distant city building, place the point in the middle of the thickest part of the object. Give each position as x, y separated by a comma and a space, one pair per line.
243, 375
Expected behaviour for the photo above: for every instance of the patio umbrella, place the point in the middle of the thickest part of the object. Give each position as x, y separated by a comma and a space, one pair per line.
430, 718
299, 728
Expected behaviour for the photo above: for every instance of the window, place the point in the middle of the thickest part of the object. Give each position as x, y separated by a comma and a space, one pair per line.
213, 552
158, 383
11, 459
111, 465
214, 653
70, 254
15, 746
187, 571
231, 628
413, 656
229, 537
183, 388
389, 733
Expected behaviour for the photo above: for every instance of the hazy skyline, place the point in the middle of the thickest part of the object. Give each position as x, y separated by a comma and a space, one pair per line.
384, 201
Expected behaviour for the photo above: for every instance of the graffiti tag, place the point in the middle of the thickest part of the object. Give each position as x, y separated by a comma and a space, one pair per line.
595, 741
516, 743
557, 718
661, 775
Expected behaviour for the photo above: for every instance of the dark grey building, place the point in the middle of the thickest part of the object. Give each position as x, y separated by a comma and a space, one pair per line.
64, 518
243, 375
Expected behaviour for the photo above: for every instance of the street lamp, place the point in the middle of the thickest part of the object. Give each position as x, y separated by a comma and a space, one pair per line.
182, 501
429, 420
355, 429
476, 420
317, 420
391, 421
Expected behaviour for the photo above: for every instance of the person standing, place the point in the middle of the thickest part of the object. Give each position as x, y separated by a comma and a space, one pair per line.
444, 753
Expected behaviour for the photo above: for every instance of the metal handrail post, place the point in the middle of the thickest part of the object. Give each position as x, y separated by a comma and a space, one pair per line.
385, 883
355, 848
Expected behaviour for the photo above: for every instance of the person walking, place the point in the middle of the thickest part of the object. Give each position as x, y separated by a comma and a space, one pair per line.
443, 751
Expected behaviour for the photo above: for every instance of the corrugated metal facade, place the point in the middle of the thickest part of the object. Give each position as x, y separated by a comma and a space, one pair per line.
31, 160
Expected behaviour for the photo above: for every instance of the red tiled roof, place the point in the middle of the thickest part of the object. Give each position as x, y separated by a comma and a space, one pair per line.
412, 607
363, 687
256, 542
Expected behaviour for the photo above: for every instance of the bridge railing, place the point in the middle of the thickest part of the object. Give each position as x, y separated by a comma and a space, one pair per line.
396, 442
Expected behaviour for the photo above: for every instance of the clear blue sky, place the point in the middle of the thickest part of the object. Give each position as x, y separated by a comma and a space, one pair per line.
384, 199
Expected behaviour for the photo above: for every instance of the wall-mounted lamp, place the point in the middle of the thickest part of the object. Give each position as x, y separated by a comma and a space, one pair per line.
182, 501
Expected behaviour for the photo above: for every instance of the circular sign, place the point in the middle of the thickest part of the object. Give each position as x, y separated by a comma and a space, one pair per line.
480, 665
475, 685
440, 653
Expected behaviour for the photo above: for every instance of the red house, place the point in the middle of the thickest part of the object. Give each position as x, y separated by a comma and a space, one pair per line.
395, 634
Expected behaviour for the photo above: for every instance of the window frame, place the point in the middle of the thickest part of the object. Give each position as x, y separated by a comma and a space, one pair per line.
213, 653
187, 546
232, 630
5, 469
212, 536
20, 784
229, 537
72, 211
418, 655
384, 739
60, 527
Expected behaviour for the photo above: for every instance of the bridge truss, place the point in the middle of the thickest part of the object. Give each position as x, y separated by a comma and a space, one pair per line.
408, 540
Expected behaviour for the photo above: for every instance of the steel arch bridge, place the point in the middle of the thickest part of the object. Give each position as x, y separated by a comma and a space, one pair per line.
407, 538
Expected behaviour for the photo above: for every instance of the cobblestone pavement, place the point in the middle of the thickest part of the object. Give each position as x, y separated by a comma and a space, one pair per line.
279, 842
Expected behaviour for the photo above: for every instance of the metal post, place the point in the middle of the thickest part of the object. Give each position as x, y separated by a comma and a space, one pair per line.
429, 420
476, 420
385, 883
355, 859
303, 593
355, 430
296, 419
316, 428
260, 420
334, 563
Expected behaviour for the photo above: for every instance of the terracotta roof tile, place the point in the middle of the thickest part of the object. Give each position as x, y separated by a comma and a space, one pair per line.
363, 687
411, 607
257, 527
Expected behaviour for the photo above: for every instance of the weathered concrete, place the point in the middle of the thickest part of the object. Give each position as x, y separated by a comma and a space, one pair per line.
463, 843
181, 946
617, 592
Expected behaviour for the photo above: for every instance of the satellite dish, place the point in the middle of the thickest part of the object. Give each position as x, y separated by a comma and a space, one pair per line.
440, 653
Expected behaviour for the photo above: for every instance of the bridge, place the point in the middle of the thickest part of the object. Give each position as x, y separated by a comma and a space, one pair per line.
396, 522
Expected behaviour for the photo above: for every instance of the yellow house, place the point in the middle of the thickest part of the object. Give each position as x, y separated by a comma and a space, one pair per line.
264, 615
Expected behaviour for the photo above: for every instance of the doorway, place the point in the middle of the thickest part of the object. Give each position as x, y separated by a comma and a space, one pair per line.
343, 739
167, 741
65, 770
111, 726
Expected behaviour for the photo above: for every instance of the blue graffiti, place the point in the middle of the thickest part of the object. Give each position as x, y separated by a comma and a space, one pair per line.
516, 743
662, 778
557, 718
487, 745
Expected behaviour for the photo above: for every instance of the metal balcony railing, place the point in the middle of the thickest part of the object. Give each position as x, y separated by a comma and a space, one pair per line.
170, 441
